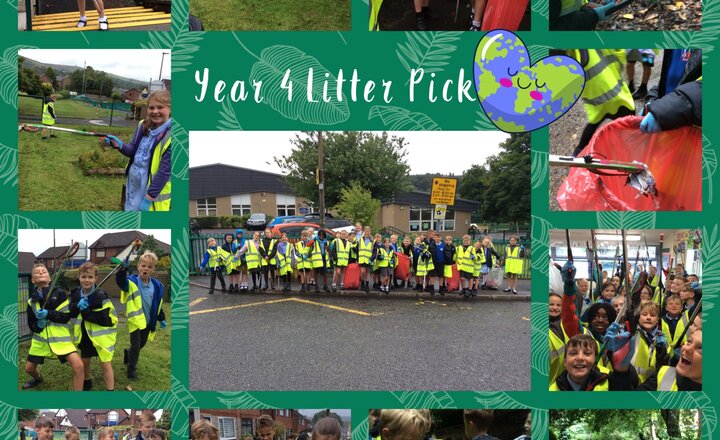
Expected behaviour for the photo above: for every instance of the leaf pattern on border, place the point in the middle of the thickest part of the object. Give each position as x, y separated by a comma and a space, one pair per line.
229, 120
9, 225
400, 119
110, 219
498, 399
538, 52
8, 333
704, 40
178, 400
483, 122
540, 167
699, 400
8, 165
180, 154
241, 399
8, 75
179, 282
711, 268
541, 244
428, 50
8, 421
424, 399
539, 345
539, 422
541, 8
626, 219
178, 40
710, 163
360, 432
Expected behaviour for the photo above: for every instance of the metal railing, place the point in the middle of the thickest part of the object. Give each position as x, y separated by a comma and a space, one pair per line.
24, 286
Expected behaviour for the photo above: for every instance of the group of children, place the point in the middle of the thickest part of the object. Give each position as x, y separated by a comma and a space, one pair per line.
146, 430
78, 327
267, 259
327, 428
590, 351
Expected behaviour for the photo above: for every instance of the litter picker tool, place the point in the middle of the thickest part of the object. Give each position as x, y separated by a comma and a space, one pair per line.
137, 243
72, 250
34, 128
696, 311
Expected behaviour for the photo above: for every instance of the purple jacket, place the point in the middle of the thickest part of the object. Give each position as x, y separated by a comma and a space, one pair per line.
160, 178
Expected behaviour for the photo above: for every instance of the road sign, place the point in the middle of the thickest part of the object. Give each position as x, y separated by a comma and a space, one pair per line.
304, 210
443, 191
440, 211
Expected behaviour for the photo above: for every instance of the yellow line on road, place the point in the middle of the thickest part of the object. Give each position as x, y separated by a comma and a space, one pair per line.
198, 301
329, 306
241, 306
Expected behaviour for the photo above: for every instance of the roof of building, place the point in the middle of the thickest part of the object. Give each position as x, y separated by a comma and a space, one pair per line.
77, 417
123, 239
223, 180
420, 198
26, 260
53, 252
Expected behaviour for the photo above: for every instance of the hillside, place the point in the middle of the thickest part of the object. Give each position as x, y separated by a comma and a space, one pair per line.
120, 82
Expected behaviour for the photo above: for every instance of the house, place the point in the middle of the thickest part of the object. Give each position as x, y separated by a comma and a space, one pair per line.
45, 79
52, 257
63, 81
131, 95
118, 245
220, 189
167, 84
235, 424
26, 261
412, 212
71, 417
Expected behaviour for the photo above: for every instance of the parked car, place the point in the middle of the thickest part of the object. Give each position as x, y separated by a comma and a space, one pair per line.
336, 225
285, 219
293, 230
256, 222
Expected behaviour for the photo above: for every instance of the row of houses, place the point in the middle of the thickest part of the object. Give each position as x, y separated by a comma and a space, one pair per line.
130, 95
91, 418
224, 190
101, 251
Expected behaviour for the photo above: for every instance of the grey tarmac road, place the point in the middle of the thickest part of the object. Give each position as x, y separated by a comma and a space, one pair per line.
273, 342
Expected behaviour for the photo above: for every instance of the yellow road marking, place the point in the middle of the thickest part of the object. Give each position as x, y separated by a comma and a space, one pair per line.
241, 306
276, 301
198, 301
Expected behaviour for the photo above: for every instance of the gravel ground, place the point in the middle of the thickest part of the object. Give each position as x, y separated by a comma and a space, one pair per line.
565, 132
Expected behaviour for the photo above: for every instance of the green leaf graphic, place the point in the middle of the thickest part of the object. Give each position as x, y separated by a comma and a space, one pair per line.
8, 334
8, 75
709, 161
397, 118
541, 244
538, 52
711, 268
228, 119
626, 219
540, 167
181, 42
180, 288
179, 401
8, 421
360, 432
424, 399
483, 122
241, 400
704, 40
698, 400
8, 165
427, 50
110, 220
498, 400
539, 345
180, 152
273, 63
539, 421
541, 8
9, 225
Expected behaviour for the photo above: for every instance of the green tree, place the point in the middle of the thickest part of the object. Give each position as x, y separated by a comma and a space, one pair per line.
151, 244
377, 162
28, 79
358, 205
116, 96
50, 72
165, 421
26, 415
473, 184
507, 197
47, 89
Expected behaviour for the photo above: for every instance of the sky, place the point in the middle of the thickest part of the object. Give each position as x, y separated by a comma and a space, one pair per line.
441, 152
139, 64
39, 240
311, 412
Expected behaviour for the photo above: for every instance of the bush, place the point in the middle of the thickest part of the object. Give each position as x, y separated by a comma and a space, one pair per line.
207, 222
63, 94
104, 159
232, 221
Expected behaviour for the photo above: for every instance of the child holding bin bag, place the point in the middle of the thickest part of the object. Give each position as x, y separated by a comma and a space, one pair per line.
148, 173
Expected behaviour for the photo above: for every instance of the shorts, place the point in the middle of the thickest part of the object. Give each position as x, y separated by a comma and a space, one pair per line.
466, 275
319, 270
386, 271
439, 270
39, 360
511, 275
364, 264
235, 272
633, 55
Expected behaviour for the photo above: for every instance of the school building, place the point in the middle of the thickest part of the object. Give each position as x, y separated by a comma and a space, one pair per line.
224, 190
235, 424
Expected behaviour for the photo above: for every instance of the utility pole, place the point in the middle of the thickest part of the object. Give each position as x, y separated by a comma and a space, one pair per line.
321, 180
162, 60
84, 70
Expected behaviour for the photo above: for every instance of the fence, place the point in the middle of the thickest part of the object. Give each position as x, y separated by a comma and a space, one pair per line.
108, 105
198, 245
24, 286
78, 110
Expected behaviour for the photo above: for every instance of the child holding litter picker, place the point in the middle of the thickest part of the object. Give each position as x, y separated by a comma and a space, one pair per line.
339, 254
385, 257
268, 260
143, 296
232, 266
148, 186
214, 258
285, 262
302, 256
48, 314
95, 325
238, 244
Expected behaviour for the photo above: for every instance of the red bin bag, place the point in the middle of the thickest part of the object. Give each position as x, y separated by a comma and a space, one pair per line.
402, 270
352, 277
503, 14
673, 157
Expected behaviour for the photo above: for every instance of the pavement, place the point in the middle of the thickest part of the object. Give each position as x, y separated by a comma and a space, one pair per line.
357, 341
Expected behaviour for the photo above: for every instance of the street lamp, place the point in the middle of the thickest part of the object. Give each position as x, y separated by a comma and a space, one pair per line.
162, 60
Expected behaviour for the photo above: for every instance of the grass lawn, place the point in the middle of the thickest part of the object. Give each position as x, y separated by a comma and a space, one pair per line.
64, 108
153, 366
276, 15
50, 180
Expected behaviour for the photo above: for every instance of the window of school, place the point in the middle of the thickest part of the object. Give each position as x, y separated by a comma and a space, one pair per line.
241, 210
246, 427
283, 210
207, 206
285, 204
422, 219
240, 204
226, 425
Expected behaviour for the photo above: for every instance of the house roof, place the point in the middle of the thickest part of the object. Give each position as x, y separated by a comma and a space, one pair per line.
123, 239
420, 198
26, 260
49, 414
53, 252
77, 417
223, 180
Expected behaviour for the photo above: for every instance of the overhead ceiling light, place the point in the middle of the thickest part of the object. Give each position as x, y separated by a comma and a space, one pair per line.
617, 237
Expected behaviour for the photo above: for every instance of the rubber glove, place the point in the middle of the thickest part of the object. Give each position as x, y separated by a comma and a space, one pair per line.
661, 341
145, 204
42, 323
163, 324
126, 264
602, 11
650, 125
615, 337
113, 141
568, 273
41, 314
83, 303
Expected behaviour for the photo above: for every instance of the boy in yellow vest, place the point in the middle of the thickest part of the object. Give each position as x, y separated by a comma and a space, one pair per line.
143, 295
340, 256
514, 256
465, 258
48, 116
214, 258
95, 325
48, 316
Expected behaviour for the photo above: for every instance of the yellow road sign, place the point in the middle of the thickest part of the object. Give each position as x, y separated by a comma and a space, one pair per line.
443, 191
440, 211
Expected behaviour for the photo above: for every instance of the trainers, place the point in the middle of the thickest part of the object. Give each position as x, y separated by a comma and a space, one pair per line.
474, 28
506, 290
334, 288
87, 385
640, 93
211, 292
421, 26
32, 382
104, 26
631, 86
514, 291
132, 375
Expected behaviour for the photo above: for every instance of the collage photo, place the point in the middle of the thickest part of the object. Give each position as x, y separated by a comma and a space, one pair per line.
224, 212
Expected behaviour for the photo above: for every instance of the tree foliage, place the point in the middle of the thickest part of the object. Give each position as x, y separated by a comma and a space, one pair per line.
376, 161
151, 244
358, 205
26, 415
52, 75
28, 79
507, 194
91, 81
625, 424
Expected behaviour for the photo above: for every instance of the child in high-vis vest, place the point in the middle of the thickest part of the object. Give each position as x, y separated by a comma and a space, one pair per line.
651, 346
95, 325
285, 262
268, 259
385, 260
514, 258
339, 254
48, 316
214, 258
232, 267
143, 296
302, 257
465, 259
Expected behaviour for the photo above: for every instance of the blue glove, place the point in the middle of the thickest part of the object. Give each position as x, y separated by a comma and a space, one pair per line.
650, 125
624, 354
42, 323
568, 273
472, 256
125, 264
380, 257
602, 10
695, 285
112, 141
661, 341
615, 337
145, 204
41, 314
83, 303
163, 324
